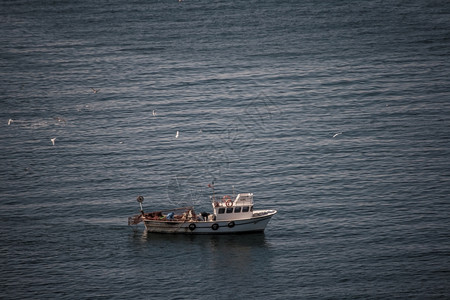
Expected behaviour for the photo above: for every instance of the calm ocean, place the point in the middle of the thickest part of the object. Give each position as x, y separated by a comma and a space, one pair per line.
334, 113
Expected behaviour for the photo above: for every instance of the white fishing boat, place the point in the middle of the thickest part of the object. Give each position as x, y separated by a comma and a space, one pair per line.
230, 215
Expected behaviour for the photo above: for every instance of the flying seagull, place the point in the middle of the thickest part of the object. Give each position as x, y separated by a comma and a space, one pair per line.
10, 121
177, 135
336, 134
154, 113
60, 119
95, 91
53, 141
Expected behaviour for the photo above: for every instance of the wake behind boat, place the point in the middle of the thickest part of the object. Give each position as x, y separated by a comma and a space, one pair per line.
230, 215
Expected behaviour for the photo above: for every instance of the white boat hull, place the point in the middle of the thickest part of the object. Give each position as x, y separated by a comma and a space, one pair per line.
257, 223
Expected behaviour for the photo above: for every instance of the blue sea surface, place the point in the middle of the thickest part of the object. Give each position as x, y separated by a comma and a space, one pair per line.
334, 113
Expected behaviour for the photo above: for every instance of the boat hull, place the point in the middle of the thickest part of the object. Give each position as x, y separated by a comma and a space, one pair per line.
257, 223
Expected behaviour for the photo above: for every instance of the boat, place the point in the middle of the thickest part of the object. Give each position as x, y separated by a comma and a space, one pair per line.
230, 215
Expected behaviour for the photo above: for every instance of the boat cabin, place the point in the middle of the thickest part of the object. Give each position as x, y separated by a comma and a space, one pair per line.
241, 207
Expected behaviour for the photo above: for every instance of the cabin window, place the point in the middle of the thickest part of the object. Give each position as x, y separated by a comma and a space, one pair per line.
245, 209
251, 208
229, 210
237, 209
221, 210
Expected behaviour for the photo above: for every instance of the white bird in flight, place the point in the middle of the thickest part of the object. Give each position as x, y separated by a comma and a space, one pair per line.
336, 134
177, 135
154, 113
10, 121
53, 141
59, 119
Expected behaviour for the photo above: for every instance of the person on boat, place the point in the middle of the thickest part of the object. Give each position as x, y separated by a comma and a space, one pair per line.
191, 215
170, 216
205, 216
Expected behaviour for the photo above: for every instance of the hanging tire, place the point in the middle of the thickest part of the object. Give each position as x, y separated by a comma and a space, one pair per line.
215, 226
192, 226
231, 224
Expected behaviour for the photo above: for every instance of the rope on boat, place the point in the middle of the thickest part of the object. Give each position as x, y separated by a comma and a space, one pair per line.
134, 220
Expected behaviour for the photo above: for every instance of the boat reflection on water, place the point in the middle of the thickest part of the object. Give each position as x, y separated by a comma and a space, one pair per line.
232, 252
212, 242
237, 252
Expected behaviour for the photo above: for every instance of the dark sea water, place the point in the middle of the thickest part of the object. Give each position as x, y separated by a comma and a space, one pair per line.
334, 113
